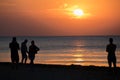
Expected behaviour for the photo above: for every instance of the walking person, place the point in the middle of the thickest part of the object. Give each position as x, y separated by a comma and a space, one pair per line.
24, 51
33, 49
14, 47
111, 48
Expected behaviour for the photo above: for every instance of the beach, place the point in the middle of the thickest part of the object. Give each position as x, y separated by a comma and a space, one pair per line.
57, 72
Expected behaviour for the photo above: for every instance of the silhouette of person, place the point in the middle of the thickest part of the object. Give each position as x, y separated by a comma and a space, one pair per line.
111, 48
32, 51
24, 51
14, 47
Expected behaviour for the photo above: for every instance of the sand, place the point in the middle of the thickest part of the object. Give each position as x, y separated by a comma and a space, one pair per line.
57, 72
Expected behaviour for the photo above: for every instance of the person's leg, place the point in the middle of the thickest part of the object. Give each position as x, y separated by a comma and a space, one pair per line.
25, 59
13, 63
33, 58
114, 63
22, 59
12, 59
17, 61
32, 61
109, 62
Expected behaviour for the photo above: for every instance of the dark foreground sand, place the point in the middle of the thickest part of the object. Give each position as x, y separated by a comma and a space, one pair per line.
57, 72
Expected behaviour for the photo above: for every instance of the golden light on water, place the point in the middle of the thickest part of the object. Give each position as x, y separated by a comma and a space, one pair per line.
78, 58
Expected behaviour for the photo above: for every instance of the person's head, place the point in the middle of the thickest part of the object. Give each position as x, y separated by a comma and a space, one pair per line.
14, 39
25, 40
111, 40
32, 42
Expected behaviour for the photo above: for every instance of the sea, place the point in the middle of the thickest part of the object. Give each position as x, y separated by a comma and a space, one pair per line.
65, 50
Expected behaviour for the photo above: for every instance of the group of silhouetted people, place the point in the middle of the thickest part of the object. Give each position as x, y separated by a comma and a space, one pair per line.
14, 47
33, 49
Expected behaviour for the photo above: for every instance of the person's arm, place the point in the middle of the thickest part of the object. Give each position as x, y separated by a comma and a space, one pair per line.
9, 45
37, 48
107, 48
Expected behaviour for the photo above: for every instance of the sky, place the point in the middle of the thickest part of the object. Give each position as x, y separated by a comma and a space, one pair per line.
57, 18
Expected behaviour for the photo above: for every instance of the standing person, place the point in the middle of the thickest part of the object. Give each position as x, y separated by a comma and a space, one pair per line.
24, 51
32, 51
14, 47
111, 48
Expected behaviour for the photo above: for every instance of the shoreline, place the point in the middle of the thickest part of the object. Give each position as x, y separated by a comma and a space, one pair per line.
57, 72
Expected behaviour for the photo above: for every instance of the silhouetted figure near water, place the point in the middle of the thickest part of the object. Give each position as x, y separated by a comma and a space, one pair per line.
14, 47
111, 48
24, 51
33, 49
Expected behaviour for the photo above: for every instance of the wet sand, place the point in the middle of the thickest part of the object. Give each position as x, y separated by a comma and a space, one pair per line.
57, 72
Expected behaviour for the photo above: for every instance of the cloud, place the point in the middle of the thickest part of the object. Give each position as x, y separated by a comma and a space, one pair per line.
7, 3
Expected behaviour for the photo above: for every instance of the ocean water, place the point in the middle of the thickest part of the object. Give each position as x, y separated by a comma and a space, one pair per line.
78, 50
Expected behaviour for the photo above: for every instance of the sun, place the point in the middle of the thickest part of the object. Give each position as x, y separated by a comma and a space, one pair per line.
78, 12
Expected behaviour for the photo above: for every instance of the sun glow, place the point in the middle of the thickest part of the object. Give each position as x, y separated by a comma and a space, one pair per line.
78, 12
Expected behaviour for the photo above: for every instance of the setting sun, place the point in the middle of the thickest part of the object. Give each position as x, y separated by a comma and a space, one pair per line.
78, 12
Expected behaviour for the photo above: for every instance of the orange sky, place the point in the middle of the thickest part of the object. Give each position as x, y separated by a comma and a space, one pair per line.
56, 18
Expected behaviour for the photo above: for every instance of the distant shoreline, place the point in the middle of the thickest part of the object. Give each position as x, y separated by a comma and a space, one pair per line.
56, 65
63, 36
